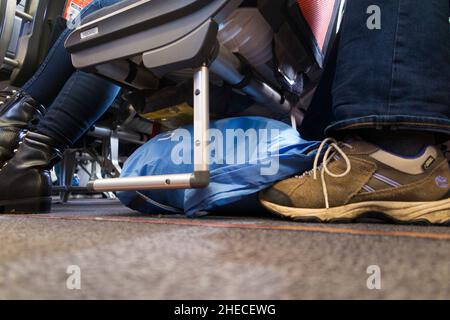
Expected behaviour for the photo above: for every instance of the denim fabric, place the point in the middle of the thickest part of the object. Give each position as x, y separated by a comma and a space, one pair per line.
397, 77
81, 102
57, 67
74, 99
320, 112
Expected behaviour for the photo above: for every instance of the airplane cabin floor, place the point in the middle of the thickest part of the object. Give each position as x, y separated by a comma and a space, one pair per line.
125, 255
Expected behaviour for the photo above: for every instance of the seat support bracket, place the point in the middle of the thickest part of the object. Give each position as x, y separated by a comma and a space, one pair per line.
197, 179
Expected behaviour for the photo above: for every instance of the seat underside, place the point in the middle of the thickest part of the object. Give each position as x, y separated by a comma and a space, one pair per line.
139, 27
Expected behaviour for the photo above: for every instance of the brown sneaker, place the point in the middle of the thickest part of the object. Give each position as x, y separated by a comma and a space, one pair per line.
357, 178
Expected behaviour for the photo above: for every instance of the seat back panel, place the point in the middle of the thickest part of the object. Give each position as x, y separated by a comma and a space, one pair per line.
136, 17
141, 27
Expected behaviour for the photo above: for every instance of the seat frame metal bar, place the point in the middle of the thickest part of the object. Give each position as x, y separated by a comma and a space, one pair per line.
197, 179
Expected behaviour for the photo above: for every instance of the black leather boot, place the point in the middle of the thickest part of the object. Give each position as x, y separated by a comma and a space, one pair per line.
18, 111
25, 183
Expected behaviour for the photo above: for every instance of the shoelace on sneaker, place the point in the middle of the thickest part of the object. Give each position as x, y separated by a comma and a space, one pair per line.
334, 148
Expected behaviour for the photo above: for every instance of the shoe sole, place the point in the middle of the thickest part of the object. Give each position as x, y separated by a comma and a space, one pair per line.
433, 212
26, 206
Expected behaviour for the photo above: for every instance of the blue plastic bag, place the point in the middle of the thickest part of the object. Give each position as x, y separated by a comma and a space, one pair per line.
239, 167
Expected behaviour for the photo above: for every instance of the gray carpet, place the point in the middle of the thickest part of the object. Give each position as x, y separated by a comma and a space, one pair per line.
125, 255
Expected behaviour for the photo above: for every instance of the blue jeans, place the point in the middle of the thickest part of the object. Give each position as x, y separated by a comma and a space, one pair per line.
74, 99
395, 78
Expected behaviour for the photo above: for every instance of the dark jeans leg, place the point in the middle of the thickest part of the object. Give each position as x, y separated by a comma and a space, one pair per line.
320, 112
83, 99
397, 77
57, 67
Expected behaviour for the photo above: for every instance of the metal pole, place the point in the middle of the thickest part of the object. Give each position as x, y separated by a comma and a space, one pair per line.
201, 119
229, 68
197, 179
25, 16
176, 181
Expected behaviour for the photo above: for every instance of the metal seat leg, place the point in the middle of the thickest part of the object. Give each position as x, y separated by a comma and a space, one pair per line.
197, 179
